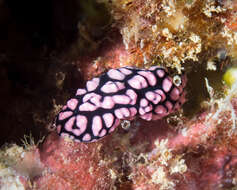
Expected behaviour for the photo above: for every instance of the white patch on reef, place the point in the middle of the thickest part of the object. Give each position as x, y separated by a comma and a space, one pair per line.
160, 177
211, 8
195, 38
9, 180
211, 66
166, 33
177, 22
169, 7
178, 166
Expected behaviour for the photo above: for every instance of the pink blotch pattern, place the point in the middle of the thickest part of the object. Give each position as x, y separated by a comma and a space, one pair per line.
93, 84
122, 93
96, 125
108, 103
137, 82
72, 103
80, 91
174, 94
108, 118
160, 73
81, 123
87, 107
125, 71
149, 76
166, 85
116, 74
121, 99
64, 115
109, 87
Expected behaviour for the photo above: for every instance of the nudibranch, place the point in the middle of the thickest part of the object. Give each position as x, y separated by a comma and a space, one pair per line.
122, 93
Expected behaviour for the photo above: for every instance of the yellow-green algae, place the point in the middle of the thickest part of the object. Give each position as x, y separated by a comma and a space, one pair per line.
230, 76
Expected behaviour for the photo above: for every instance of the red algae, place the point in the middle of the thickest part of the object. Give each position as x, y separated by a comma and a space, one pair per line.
174, 153
72, 166
234, 104
174, 32
195, 154
178, 152
111, 54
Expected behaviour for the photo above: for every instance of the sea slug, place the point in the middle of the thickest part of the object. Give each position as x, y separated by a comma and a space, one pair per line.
122, 93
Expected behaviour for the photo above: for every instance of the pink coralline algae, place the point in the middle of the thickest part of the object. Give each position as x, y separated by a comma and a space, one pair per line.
74, 166
121, 93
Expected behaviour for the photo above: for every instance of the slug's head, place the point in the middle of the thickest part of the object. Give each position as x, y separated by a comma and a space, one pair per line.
168, 95
173, 96
179, 82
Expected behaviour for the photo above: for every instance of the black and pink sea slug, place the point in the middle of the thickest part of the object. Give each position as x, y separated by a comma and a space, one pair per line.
122, 93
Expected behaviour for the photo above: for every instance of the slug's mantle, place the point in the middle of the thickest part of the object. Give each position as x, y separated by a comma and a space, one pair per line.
119, 94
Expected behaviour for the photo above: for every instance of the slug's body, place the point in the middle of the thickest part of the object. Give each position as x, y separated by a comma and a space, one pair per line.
119, 94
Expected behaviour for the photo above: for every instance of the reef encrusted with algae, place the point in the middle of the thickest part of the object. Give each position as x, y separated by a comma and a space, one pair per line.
174, 32
19, 166
178, 152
